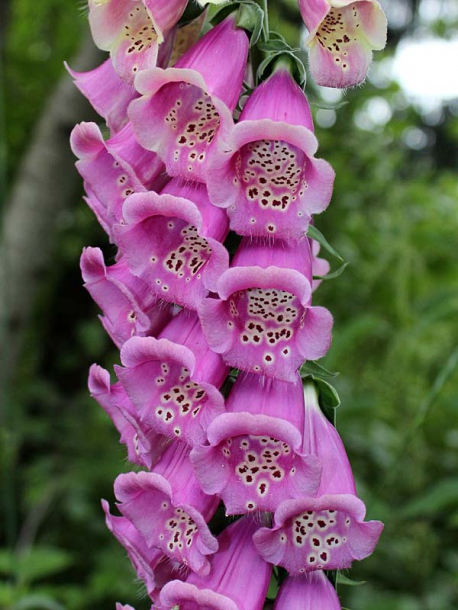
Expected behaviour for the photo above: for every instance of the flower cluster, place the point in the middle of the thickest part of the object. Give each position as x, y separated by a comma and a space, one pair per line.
207, 189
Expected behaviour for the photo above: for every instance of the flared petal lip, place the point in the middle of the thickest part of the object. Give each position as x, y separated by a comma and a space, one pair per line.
265, 129
341, 502
140, 350
140, 206
149, 82
144, 480
237, 424
241, 278
86, 140
176, 591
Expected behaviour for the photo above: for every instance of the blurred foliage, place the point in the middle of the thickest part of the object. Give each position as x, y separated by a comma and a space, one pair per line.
393, 218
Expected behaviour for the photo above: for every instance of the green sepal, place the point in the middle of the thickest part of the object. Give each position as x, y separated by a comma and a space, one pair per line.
310, 367
328, 398
284, 55
250, 17
275, 43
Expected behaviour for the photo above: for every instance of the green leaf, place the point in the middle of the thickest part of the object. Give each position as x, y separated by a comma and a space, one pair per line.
318, 236
332, 275
250, 17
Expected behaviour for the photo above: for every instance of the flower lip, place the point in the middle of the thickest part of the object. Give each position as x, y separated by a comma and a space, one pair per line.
242, 278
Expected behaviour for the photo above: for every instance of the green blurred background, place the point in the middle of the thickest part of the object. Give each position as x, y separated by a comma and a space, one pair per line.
393, 217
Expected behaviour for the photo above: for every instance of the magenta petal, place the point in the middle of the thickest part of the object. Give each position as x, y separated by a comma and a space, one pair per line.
279, 98
310, 534
261, 395
178, 529
309, 592
342, 38
129, 307
175, 393
167, 242
254, 462
263, 322
107, 92
151, 565
264, 171
125, 28
322, 439
144, 446
184, 108
238, 581
115, 168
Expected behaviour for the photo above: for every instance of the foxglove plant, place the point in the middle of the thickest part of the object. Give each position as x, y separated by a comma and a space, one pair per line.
207, 186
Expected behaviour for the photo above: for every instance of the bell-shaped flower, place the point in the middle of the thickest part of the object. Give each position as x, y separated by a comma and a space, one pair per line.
173, 381
309, 592
326, 532
323, 533
265, 172
169, 509
132, 30
342, 36
108, 94
129, 307
152, 566
183, 109
114, 169
239, 578
144, 446
173, 244
254, 459
263, 320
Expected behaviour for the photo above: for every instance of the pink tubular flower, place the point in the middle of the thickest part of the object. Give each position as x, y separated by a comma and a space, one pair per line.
311, 592
129, 307
114, 169
328, 531
144, 446
324, 533
265, 172
263, 321
132, 30
169, 509
173, 244
107, 92
239, 578
253, 460
173, 381
322, 439
342, 36
182, 109
151, 564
